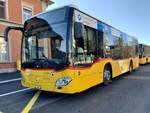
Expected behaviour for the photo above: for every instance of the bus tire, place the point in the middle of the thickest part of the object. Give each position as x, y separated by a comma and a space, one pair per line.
131, 67
107, 75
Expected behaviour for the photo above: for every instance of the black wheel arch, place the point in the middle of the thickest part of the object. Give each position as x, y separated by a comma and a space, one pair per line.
131, 63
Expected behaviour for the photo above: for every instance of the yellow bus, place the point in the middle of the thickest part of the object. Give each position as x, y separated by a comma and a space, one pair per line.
144, 53
68, 51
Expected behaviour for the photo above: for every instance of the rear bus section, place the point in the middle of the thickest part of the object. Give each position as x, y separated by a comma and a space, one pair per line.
145, 60
144, 53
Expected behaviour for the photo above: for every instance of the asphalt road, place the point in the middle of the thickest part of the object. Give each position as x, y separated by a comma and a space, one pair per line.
126, 94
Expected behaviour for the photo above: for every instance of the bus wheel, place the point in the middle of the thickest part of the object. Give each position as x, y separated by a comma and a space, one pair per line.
130, 68
107, 75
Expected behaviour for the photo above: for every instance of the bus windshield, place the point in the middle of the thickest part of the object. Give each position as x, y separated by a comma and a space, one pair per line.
44, 41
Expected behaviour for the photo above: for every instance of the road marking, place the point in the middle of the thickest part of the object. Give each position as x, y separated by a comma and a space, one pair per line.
31, 103
138, 77
10, 93
49, 102
12, 80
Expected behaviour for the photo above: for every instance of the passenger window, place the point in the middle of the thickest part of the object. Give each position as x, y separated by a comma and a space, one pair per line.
118, 49
87, 48
106, 47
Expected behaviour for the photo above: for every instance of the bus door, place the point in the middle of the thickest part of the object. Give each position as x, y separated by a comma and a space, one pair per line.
88, 49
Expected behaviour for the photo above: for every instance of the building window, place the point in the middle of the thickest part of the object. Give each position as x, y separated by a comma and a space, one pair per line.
4, 56
2, 9
27, 13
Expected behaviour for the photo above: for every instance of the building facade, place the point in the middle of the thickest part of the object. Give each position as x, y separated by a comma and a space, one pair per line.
14, 13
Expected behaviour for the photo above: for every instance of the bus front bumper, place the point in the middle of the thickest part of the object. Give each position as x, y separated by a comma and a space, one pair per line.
68, 89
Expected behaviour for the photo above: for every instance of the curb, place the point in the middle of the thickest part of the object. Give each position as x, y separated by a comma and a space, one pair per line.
8, 71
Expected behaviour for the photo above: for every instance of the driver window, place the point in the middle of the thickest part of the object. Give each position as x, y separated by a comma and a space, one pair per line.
86, 47
44, 48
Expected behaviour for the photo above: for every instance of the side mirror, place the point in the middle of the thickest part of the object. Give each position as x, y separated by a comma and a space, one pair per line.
79, 30
11, 28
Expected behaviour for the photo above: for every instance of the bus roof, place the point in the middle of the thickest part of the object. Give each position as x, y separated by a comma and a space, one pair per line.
76, 8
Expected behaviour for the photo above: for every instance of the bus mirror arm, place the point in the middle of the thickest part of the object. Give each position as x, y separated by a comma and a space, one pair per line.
11, 28
79, 30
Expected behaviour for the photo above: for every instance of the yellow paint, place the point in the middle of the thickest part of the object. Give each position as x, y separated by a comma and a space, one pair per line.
31, 103
88, 77
143, 60
148, 59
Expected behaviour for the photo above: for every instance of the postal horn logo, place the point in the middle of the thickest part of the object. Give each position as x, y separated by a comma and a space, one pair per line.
79, 17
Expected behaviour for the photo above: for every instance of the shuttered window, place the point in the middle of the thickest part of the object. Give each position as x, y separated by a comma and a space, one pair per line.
4, 57
2, 9
27, 13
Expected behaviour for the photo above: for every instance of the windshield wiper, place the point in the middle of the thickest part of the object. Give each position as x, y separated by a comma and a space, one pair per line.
44, 63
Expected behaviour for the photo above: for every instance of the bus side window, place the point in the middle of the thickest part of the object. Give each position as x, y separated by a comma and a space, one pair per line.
93, 43
86, 47
99, 45
90, 43
80, 50
106, 47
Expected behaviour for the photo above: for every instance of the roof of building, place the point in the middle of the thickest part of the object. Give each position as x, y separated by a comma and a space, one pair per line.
48, 1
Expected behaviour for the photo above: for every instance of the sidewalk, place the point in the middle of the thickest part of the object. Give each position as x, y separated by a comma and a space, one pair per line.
7, 70
8, 76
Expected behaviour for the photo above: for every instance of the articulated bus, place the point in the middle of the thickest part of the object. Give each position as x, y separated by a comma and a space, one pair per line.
144, 54
68, 51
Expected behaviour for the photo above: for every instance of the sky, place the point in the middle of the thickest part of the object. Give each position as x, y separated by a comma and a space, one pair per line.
129, 16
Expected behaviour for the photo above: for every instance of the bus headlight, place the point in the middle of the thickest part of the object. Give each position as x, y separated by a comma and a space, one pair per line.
63, 81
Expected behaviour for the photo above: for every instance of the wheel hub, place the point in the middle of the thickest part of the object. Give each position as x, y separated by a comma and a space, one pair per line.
107, 75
